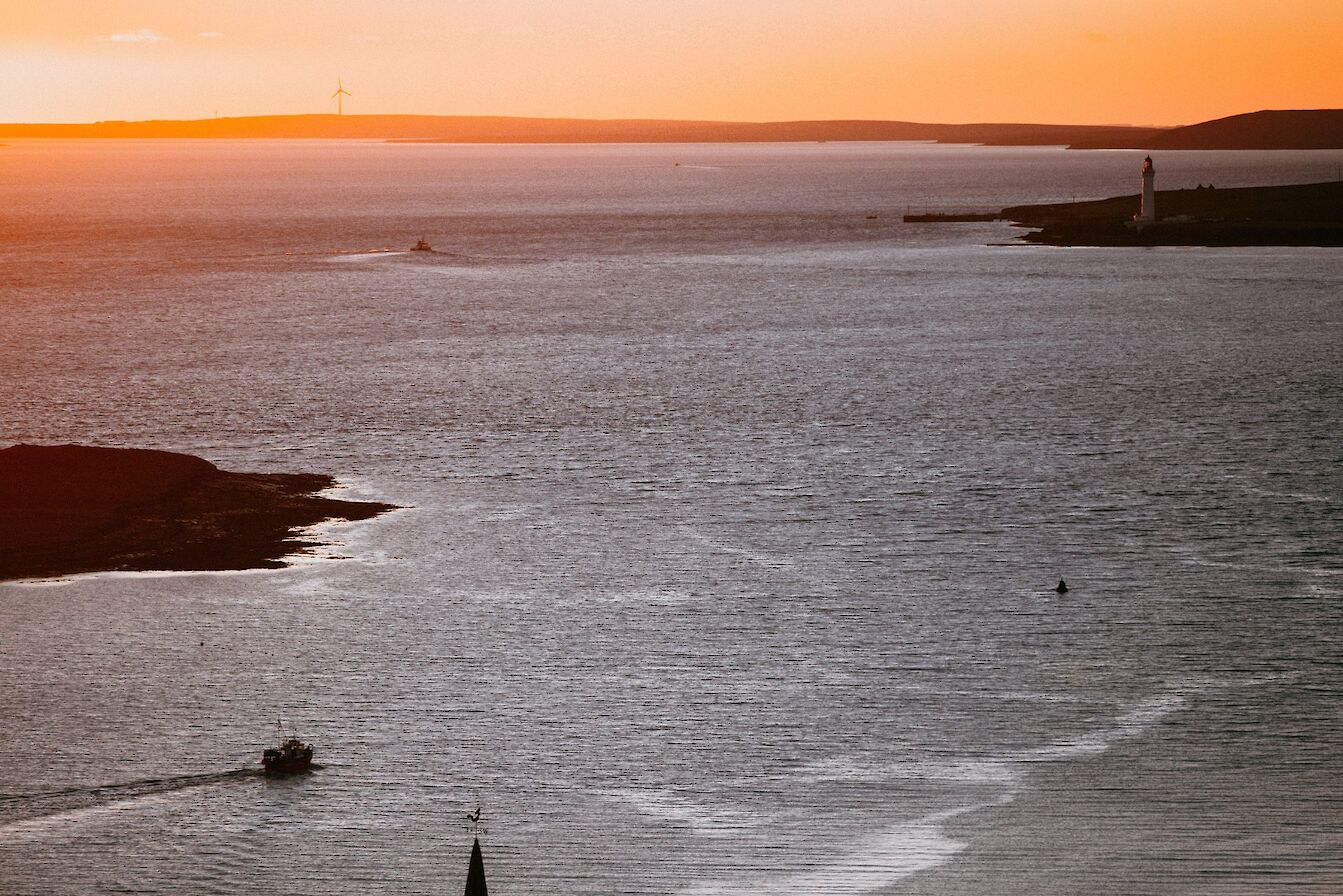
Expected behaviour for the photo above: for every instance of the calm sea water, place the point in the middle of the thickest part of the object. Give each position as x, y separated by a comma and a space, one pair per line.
734, 507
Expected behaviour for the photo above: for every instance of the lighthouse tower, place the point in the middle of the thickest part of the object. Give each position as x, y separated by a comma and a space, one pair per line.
1147, 211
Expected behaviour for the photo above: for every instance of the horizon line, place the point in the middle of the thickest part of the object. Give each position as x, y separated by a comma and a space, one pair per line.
603, 119
1263, 129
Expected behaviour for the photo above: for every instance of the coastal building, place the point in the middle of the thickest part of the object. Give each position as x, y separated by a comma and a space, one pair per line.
1147, 210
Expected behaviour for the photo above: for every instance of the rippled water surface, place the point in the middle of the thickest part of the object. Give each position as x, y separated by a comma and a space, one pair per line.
733, 511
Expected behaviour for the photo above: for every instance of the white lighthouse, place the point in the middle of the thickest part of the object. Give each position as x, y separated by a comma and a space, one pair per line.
1147, 211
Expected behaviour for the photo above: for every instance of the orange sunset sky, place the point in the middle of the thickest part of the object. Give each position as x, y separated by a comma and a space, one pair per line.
1065, 61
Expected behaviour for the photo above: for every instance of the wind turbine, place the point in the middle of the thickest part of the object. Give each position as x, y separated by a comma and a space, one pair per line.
339, 95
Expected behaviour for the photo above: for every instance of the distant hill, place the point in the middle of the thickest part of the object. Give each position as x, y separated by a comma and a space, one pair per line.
1314, 129
497, 129
1284, 129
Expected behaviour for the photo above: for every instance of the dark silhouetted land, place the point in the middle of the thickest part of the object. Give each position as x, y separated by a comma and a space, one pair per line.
1287, 129
1295, 215
1293, 129
1309, 129
68, 509
495, 129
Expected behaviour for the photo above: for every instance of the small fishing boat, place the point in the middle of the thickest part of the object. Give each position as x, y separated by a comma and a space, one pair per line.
421, 246
291, 757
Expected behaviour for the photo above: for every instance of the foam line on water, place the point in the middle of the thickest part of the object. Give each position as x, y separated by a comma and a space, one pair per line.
969, 771
73, 578
20, 811
365, 256
1130, 724
725, 547
878, 860
668, 805
909, 847
43, 825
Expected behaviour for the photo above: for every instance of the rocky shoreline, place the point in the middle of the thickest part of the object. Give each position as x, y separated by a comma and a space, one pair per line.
67, 509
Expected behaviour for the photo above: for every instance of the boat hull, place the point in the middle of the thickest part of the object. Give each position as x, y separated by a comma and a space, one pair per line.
281, 768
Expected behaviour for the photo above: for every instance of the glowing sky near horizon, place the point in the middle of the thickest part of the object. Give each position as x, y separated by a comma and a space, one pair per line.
1073, 61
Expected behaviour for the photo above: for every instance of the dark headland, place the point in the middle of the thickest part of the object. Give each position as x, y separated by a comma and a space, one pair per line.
67, 509
1293, 215
1283, 129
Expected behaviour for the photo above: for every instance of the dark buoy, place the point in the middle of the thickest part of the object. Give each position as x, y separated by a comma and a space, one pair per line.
1062, 587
